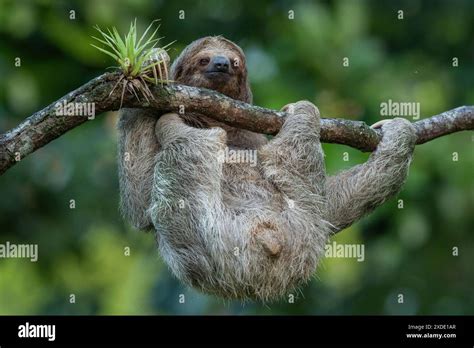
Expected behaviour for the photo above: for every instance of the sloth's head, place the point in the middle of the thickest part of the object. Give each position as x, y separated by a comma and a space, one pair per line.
216, 63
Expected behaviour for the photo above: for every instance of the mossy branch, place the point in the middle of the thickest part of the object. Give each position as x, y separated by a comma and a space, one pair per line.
45, 126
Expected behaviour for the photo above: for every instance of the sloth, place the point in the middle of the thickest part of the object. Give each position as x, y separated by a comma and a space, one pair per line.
235, 230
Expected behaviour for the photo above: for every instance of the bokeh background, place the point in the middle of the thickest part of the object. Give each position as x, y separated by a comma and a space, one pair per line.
408, 251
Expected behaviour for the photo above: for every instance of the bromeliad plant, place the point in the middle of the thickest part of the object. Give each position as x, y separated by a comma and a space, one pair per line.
138, 59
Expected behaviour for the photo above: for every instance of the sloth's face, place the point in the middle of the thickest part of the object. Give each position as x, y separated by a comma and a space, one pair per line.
218, 68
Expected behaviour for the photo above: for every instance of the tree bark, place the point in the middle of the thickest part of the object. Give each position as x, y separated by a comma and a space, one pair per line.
45, 126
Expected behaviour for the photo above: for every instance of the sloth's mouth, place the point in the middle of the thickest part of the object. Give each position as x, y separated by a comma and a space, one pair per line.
216, 74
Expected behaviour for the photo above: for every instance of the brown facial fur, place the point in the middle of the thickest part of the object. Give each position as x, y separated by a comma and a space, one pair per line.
187, 68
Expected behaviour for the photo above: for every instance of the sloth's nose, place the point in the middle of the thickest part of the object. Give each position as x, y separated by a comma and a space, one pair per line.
220, 63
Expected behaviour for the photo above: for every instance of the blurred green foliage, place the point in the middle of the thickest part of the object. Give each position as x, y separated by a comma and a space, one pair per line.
82, 251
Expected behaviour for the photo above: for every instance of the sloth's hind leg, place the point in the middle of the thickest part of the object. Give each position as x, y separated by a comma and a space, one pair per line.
294, 162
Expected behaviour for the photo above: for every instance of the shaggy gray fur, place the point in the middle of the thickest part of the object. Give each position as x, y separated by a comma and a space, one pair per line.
236, 230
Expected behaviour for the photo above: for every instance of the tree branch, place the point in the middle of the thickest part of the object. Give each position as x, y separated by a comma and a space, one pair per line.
45, 126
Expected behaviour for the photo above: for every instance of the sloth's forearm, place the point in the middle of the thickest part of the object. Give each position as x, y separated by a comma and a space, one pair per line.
356, 192
137, 148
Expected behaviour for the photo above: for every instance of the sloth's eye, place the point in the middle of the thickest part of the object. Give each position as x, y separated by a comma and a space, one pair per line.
204, 61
